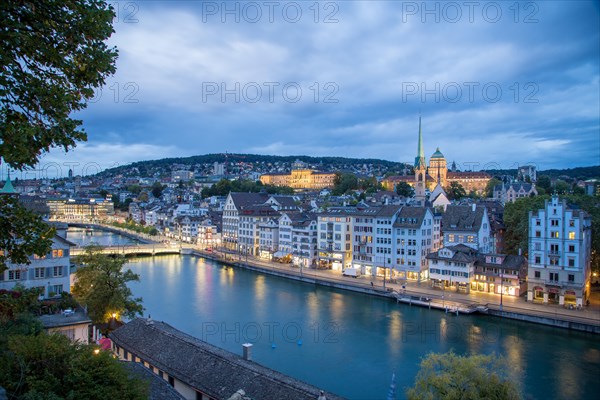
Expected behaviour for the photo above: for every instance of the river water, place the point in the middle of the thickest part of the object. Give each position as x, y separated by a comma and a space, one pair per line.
351, 343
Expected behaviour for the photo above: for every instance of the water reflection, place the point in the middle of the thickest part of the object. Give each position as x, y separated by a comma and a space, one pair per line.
348, 335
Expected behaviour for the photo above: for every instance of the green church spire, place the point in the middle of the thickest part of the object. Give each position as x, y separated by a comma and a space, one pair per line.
420, 158
8, 186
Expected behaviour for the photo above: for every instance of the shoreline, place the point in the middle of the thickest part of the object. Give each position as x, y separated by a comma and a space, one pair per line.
414, 297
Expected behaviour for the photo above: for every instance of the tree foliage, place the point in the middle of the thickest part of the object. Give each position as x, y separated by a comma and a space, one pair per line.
22, 233
157, 189
453, 377
455, 191
344, 183
101, 285
41, 366
516, 220
224, 186
404, 189
489, 188
53, 57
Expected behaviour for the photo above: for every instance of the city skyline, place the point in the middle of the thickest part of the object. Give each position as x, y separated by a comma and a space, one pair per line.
496, 83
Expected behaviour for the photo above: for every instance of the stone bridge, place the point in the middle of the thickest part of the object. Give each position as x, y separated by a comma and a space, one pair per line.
134, 249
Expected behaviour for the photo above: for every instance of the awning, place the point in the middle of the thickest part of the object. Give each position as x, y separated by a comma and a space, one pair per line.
570, 292
280, 254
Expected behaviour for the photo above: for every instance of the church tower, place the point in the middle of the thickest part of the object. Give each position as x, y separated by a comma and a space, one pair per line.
438, 168
420, 169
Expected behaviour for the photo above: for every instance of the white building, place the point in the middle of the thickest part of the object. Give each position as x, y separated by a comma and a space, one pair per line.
559, 254
334, 229
268, 238
453, 267
468, 225
50, 273
234, 204
509, 193
251, 218
304, 239
416, 233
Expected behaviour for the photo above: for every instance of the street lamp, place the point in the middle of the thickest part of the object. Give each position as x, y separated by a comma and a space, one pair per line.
501, 289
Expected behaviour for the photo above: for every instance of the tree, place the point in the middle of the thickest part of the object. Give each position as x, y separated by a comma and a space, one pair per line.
561, 187
516, 220
53, 57
489, 188
453, 377
157, 189
41, 366
543, 181
343, 183
404, 189
456, 191
101, 284
22, 233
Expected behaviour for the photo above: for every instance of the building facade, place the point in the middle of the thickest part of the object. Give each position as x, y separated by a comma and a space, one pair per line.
50, 273
468, 225
509, 193
559, 254
300, 179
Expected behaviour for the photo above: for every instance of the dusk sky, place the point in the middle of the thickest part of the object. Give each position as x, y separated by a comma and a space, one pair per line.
498, 84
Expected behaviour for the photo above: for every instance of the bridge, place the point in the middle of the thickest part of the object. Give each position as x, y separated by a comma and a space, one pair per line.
150, 249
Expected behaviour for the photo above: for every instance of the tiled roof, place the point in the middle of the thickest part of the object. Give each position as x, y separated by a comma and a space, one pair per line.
247, 199
214, 371
410, 217
462, 218
159, 388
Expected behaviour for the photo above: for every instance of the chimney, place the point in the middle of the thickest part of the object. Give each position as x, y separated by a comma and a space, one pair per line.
247, 351
473, 207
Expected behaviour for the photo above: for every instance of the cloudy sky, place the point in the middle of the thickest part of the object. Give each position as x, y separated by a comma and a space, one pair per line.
498, 84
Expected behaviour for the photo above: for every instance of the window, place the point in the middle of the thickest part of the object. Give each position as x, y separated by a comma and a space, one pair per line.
554, 234
571, 248
537, 274
537, 222
538, 259
571, 262
39, 273
451, 238
571, 278
56, 289
57, 271
14, 275
538, 234
57, 253
571, 223
571, 235
554, 222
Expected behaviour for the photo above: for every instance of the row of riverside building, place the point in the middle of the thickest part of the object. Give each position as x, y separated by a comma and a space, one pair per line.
455, 249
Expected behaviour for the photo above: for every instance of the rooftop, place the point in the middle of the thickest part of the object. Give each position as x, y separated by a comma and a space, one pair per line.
214, 371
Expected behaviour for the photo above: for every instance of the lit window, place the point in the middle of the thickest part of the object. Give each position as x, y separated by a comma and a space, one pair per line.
571, 235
